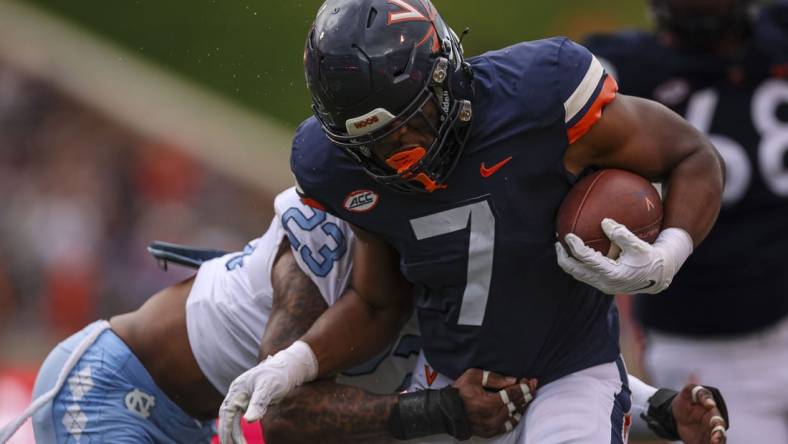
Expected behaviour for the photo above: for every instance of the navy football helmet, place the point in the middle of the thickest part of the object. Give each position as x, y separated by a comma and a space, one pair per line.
701, 23
372, 67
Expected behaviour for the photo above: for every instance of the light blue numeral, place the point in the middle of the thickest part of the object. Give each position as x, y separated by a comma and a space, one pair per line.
237, 261
322, 264
303, 222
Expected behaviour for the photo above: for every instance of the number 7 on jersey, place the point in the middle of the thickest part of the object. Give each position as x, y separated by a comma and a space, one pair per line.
480, 220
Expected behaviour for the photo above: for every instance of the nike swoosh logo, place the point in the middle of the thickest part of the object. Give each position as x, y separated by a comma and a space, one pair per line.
650, 283
487, 172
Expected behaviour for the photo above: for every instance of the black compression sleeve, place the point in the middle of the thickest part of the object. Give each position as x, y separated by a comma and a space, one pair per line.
429, 412
659, 417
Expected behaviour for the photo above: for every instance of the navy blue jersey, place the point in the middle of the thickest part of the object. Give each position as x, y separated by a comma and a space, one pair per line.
480, 252
737, 279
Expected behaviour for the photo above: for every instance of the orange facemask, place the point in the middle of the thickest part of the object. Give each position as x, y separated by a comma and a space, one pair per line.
403, 160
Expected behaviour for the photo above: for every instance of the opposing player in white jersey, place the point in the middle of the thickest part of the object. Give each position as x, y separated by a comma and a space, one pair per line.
158, 374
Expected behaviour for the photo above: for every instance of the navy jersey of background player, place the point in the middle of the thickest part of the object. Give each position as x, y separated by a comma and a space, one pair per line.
481, 253
739, 275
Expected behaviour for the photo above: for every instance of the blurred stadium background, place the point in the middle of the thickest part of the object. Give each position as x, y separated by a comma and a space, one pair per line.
125, 122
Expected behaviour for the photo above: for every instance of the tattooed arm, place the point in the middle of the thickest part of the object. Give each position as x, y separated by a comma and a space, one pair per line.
328, 412
322, 411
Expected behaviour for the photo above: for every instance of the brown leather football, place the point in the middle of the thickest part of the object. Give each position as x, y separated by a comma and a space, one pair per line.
625, 197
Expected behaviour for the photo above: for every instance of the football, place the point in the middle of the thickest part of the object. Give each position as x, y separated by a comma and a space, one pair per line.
625, 197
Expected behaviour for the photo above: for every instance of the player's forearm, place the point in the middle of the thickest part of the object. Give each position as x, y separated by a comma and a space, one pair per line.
328, 412
694, 191
647, 138
297, 303
351, 331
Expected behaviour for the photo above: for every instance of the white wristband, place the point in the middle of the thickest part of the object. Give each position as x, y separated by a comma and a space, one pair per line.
678, 245
640, 394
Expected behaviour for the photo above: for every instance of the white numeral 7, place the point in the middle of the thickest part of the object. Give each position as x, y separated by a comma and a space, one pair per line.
481, 221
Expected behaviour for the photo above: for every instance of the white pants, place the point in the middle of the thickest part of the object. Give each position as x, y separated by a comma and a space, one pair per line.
751, 371
586, 407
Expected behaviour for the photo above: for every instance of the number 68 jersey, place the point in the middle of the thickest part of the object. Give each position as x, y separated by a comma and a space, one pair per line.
742, 104
231, 298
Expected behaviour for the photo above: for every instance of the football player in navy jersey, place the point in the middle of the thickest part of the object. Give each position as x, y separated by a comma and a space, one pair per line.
724, 66
452, 172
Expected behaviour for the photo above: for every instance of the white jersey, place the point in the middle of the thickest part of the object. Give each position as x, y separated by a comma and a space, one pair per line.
230, 301
390, 371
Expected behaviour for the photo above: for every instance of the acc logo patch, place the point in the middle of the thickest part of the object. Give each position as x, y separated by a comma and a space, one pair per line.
361, 201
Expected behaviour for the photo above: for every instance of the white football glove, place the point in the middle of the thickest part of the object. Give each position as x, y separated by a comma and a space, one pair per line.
640, 268
262, 385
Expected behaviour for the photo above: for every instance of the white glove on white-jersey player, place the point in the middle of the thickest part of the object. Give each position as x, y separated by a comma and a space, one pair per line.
267, 383
640, 268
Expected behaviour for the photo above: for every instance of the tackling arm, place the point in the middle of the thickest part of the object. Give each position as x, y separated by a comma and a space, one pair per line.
325, 411
322, 411
364, 320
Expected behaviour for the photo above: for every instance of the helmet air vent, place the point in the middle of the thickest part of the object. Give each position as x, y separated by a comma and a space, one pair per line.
371, 18
403, 73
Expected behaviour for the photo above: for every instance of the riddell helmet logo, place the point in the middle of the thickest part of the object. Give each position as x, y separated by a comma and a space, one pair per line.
366, 122
361, 201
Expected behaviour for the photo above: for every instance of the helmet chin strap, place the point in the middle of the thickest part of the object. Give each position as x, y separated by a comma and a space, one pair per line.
404, 160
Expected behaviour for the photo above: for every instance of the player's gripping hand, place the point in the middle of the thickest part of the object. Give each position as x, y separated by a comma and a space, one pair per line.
494, 404
268, 382
701, 415
640, 268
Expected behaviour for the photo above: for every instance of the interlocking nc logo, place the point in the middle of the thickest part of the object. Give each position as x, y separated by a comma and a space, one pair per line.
366, 122
140, 402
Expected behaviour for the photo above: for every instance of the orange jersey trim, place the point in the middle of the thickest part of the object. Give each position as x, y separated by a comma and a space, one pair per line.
308, 201
608, 93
